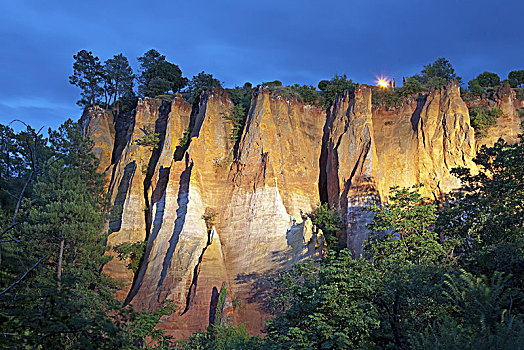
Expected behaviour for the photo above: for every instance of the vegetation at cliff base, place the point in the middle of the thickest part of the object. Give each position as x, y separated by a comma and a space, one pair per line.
53, 293
429, 278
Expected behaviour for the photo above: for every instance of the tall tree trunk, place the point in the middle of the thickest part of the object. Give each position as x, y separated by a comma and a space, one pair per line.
59, 268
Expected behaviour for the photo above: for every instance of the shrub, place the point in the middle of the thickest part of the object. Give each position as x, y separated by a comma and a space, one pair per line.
410, 87
209, 217
150, 138
520, 93
385, 97
488, 79
330, 222
132, 252
482, 118
474, 88
334, 87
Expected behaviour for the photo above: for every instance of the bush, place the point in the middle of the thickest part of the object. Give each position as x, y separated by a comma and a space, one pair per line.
482, 118
209, 217
132, 252
334, 87
385, 97
488, 79
410, 87
520, 93
474, 88
330, 222
150, 138
223, 338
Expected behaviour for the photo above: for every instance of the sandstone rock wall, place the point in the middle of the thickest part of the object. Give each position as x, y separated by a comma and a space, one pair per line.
368, 151
217, 216
507, 125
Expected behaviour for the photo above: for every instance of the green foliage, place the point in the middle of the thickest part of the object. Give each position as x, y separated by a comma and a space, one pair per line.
344, 303
411, 86
88, 74
433, 75
481, 316
150, 138
385, 97
237, 304
438, 73
303, 93
223, 338
307, 94
241, 98
62, 301
118, 80
184, 141
131, 252
516, 78
220, 304
238, 118
520, 93
159, 76
272, 84
200, 83
141, 331
209, 217
402, 230
334, 87
482, 118
474, 88
489, 209
488, 79
330, 222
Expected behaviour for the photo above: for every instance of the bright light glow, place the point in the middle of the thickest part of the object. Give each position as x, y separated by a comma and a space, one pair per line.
383, 83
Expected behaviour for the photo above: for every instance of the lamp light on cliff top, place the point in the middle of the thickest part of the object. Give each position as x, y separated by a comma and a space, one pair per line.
383, 83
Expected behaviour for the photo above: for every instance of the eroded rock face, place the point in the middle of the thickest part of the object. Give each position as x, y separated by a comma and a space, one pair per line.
507, 126
217, 216
368, 151
98, 125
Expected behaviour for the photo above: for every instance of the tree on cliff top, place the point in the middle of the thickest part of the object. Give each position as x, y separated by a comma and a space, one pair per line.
436, 74
200, 83
488, 79
88, 74
516, 78
119, 78
332, 88
158, 76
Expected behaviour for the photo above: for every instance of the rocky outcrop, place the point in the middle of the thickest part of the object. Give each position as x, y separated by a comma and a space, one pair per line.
218, 215
98, 124
507, 125
369, 151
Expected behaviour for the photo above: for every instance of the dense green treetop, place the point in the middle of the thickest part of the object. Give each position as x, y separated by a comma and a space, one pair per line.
516, 78
158, 76
488, 79
200, 83
332, 88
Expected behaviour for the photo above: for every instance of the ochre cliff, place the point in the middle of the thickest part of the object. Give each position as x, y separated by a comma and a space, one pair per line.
368, 151
218, 216
507, 125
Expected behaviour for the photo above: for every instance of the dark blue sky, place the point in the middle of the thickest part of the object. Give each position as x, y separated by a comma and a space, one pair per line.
237, 41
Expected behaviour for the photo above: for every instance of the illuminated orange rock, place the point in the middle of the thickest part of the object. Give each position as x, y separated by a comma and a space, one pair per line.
290, 157
368, 151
